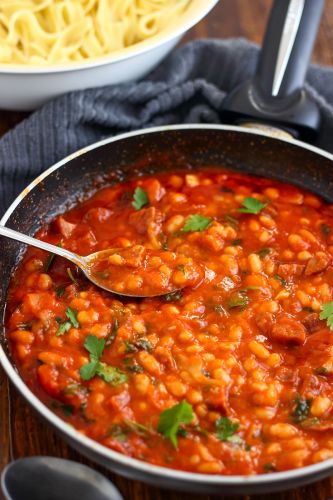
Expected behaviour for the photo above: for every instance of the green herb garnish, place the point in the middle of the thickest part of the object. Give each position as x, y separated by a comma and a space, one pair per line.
171, 419
301, 410
140, 198
321, 370
181, 268
132, 366
236, 243
71, 315
67, 410
263, 252
113, 334
307, 309
226, 428
238, 299
60, 290
327, 313
63, 328
71, 277
110, 374
281, 280
251, 206
51, 258
269, 467
325, 229
196, 222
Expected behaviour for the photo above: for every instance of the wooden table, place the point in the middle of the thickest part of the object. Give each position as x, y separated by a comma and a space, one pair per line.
21, 431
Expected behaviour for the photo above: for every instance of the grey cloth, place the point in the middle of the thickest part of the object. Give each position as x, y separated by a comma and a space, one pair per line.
188, 87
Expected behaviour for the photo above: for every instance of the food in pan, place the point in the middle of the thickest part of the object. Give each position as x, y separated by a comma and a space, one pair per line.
62, 31
232, 375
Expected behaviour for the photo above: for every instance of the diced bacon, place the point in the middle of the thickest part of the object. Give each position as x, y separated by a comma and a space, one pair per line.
64, 227
317, 264
265, 322
312, 323
288, 271
154, 190
148, 221
287, 330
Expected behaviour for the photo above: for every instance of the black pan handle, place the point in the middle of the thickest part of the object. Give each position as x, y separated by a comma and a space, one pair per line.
275, 94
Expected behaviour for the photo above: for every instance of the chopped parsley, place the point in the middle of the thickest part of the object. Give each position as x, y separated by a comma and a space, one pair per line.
60, 290
196, 222
170, 420
140, 198
263, 252
181, 268
132, 366
321, 370
251, 206
301, 410
71, 277
268, 467
226, 430
327, 313
50, 260
67, 410
308, 309
236, 243
71, 315
281, 280
325, 229
109, 374
238, 299
63, 328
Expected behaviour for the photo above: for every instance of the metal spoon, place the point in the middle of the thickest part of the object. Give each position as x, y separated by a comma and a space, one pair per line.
40, 478
84, 263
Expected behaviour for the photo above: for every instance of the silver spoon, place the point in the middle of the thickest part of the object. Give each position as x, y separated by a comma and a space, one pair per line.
50, 478
84, 263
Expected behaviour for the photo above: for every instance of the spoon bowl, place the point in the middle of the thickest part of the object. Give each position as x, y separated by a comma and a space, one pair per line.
134, 271
51, 478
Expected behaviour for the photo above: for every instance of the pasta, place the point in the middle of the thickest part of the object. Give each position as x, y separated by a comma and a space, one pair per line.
61, 31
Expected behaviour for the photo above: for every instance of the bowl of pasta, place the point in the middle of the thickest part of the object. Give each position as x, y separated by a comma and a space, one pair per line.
51, 47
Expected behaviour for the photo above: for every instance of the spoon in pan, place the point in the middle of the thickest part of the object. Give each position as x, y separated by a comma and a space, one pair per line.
134, 271
41, 478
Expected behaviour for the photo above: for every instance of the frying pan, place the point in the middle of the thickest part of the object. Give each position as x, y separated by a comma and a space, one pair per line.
287, 48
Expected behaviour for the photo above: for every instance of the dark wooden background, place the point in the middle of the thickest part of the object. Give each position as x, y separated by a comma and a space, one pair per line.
21, 431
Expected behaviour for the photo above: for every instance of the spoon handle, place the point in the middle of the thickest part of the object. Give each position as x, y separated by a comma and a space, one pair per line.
28, 240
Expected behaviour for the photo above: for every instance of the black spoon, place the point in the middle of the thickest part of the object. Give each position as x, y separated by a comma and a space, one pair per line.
41, 478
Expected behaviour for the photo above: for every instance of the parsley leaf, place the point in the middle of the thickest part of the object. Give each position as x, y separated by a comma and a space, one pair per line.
263, 252
196, 222
226, 428
327, 313
171, 419
50, 259
71, 315
60, 290
140, 198
94, 346
110, 374
24, 326
251, 206
301, 410
238, 299
88, 370
281, 280
63, 328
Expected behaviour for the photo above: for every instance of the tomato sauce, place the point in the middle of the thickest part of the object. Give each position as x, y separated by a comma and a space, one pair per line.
231, 375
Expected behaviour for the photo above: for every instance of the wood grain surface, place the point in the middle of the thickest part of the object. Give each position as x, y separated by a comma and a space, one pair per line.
21, 431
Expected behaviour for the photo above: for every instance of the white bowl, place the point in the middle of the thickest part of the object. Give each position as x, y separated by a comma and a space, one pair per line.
28, 87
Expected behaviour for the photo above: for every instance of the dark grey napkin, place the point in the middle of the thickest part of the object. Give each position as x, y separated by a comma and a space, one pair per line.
188, 87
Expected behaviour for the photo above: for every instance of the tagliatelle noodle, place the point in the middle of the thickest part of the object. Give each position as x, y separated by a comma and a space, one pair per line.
63, 31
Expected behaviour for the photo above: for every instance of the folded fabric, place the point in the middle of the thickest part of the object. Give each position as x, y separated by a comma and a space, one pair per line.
188, 87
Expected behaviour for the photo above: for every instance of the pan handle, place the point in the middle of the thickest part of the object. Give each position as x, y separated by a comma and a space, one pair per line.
275, 94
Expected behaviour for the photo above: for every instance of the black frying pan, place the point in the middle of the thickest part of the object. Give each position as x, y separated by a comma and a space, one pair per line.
169, 148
